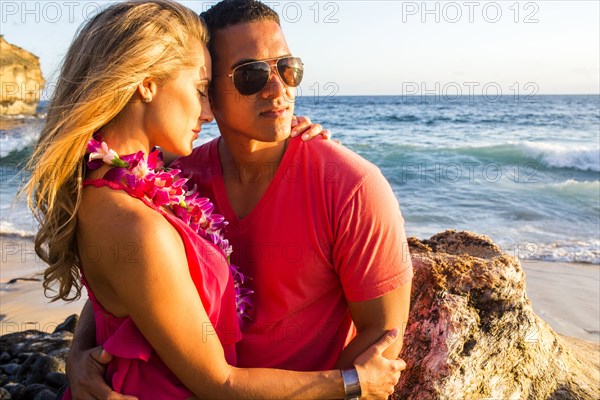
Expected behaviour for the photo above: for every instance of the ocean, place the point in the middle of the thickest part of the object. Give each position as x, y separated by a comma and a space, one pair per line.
524, 171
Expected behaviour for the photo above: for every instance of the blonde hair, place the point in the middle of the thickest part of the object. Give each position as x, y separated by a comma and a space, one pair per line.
112, 53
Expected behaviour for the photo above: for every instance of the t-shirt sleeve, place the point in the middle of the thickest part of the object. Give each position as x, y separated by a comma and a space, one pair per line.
371, 253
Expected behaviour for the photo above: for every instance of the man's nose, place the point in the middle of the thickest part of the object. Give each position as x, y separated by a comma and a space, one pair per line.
275, 85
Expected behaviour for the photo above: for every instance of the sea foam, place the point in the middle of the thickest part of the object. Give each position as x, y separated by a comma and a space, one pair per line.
584, 158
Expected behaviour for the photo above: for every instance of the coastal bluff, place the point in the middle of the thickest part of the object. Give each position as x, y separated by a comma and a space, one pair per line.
21, 80
472, 334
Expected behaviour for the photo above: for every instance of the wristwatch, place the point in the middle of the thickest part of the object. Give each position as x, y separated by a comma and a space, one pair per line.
351, 384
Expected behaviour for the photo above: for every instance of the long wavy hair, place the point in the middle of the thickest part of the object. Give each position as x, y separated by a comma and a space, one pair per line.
111, 54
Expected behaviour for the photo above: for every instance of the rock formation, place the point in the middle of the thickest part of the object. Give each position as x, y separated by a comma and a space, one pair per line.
472, 332
32, 363
21, 80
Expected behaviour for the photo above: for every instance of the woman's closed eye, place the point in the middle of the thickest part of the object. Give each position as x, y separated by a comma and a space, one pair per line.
203, 89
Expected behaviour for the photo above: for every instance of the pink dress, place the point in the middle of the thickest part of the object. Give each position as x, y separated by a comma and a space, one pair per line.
136, 368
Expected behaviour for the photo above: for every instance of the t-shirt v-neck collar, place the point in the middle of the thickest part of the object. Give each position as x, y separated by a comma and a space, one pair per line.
221, 192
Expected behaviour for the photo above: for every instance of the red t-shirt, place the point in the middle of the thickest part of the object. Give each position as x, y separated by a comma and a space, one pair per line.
328, 230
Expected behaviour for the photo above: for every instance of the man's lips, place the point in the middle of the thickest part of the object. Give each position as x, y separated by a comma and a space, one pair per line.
274, 112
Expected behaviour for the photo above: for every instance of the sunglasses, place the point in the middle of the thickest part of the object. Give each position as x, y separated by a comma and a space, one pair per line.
251, 77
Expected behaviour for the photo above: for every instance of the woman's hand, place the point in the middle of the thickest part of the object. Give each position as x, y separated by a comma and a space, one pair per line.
303, 126
377, 374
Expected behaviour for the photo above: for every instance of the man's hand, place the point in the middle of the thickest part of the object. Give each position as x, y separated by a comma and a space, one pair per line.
86, 362
303, 126
86, 376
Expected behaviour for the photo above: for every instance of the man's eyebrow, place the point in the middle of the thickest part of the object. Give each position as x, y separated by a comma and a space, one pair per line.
247, 60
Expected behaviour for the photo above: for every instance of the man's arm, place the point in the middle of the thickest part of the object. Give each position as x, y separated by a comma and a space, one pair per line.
372, 319
86, 362
85, 331
372, 258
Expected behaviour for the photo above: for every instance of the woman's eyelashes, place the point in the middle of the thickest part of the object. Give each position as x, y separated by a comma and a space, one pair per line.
203, 90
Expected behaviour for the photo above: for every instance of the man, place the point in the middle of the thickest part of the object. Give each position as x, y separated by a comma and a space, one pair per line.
315, 227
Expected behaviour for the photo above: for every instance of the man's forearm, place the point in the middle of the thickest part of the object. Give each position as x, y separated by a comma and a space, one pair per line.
362, 341
85, 332
373, 318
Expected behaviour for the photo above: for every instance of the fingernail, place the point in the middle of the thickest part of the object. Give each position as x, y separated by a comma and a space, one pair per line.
306, 136
394, 332
293, 133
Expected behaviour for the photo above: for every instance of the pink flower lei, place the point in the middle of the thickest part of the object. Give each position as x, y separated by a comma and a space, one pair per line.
149, 179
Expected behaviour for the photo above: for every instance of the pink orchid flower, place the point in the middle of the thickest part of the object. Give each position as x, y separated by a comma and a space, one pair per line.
100, 151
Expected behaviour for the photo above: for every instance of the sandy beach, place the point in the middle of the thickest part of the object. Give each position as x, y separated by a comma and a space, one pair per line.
565, 295
22, 303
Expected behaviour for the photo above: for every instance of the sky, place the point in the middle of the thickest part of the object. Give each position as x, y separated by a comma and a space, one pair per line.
389, 47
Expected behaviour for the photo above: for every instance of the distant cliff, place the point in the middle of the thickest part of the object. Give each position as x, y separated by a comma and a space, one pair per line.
21, 80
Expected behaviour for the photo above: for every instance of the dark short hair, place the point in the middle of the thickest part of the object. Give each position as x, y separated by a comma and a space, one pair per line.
232, 12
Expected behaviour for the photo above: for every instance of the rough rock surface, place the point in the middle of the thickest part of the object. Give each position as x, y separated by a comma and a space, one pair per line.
32, 363
21, 80
472, 332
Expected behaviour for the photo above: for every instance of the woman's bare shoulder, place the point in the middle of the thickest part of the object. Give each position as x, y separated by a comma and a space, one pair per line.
124, 246
106, 211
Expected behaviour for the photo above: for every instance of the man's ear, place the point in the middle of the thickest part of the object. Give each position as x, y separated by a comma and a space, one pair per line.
147, 89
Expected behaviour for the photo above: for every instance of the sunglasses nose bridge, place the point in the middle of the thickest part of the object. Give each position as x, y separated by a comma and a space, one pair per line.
274, 72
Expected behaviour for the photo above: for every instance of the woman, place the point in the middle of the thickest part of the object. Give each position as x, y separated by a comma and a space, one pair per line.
136, 77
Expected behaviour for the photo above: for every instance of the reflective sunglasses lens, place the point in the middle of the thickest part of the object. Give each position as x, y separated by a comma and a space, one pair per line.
291, 70
251, 78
